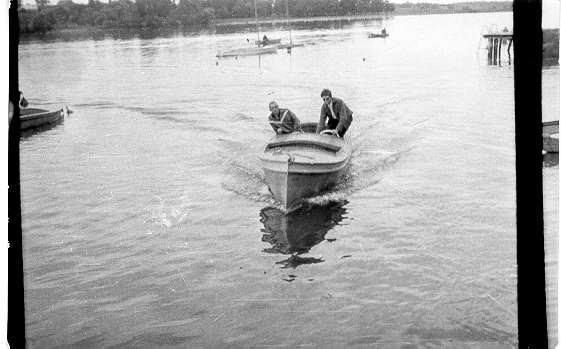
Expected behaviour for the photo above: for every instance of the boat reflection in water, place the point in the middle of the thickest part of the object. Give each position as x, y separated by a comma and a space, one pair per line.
296, 233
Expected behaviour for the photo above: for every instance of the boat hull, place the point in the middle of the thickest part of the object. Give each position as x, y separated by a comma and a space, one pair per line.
291, 188
34, 118
302, 165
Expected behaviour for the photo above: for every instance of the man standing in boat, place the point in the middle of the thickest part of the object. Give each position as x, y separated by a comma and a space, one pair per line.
283, 121
338, 113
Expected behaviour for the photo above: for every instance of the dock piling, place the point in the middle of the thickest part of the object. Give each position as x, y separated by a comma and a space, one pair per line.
495, 42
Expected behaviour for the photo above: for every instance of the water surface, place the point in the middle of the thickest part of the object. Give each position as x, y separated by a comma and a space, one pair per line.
147, 221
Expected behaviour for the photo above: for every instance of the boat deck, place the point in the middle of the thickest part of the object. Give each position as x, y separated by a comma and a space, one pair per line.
303, 147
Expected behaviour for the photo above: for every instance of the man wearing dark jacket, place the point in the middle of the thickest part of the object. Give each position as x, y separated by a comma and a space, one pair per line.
338, 113
283, 120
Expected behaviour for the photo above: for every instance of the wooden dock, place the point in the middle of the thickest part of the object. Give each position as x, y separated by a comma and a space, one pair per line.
496, 41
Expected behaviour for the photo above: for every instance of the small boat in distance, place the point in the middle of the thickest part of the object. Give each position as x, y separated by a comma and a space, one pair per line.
261, 48
381, 34
31, 118
550, 136
267, 42
300, 165
248, 51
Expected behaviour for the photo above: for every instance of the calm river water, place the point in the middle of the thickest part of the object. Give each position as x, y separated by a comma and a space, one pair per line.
147, 221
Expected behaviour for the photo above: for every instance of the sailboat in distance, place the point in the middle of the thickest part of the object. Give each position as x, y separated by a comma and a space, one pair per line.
290, 44
265, 41
249, 51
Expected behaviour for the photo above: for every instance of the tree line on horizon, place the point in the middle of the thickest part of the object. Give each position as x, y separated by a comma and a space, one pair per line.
168, 13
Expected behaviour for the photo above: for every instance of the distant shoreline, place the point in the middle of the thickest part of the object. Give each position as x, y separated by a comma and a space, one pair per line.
99, 16
85, 29
281, 20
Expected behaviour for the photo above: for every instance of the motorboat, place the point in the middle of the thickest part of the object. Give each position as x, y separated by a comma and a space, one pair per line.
304, 164
31, 118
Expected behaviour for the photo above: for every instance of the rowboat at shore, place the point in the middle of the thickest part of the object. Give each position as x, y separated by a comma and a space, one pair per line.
550, 136
300, 165
249, 51
31, 118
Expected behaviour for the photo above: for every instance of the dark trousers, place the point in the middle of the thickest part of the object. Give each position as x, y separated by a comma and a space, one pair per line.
332, 124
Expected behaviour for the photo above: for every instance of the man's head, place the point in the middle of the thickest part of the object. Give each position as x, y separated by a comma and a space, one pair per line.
326, 96
274, 107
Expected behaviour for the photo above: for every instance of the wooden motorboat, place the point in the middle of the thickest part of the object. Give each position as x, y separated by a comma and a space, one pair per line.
550, 136
300, 165
249, 51
31, 118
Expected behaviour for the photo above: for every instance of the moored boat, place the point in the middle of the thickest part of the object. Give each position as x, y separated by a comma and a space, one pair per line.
34, 117
300, 165
550, 136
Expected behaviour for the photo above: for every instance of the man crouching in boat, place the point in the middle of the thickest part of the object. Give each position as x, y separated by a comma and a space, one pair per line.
340, 115
283, 121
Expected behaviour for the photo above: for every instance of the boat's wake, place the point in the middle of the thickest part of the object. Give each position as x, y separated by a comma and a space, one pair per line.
372, 157
366, 168
246, 180
249, 194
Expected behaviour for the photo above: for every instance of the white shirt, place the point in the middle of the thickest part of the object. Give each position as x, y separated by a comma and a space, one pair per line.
332, 113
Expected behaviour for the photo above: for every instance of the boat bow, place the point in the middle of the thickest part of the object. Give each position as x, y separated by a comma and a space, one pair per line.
301, 165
